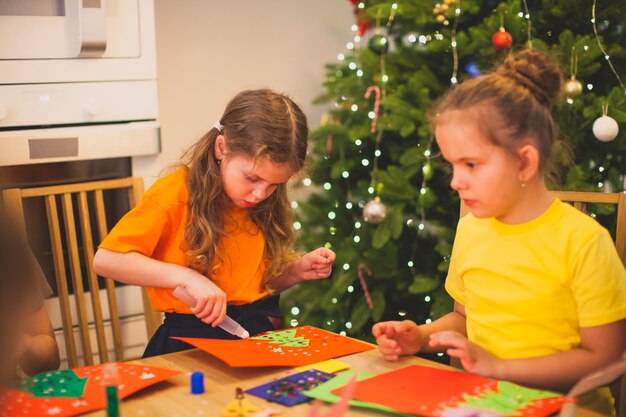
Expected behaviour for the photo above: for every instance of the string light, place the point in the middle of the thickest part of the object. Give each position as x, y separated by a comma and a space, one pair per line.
383, 93
530, 41
455, 55
606, 55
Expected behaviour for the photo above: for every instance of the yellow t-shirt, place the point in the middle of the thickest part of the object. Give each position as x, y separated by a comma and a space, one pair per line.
155, 228
529, 288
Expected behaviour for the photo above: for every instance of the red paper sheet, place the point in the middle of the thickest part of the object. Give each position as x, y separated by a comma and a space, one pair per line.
310, 345
429, 391
14, 403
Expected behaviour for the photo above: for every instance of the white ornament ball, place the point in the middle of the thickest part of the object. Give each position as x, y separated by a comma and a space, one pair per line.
605, 129
374, 212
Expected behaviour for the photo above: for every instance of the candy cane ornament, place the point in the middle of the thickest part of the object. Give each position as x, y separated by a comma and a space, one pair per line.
368, 92
359, 271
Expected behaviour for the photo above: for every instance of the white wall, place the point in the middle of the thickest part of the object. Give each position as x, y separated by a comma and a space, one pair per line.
208, 50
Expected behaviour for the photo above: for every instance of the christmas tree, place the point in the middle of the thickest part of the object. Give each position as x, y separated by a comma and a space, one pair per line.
380, 195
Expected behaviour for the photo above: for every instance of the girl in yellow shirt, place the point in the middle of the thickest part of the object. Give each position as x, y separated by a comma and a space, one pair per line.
539, 289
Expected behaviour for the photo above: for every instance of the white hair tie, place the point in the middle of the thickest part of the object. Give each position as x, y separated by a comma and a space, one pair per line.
218, 126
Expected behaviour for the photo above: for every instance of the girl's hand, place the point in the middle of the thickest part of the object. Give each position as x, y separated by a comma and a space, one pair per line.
210, 299
474, 358
397, 338
314, 265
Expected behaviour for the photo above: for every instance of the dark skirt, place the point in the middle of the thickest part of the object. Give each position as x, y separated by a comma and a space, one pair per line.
254, 317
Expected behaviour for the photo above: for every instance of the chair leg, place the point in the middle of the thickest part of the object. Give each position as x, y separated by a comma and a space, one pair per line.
153, 318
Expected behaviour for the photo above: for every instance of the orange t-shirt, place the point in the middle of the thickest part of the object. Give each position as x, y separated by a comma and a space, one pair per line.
155, 228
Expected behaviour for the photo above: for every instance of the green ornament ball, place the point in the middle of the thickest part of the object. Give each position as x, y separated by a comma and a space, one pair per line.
427, 170
379, 44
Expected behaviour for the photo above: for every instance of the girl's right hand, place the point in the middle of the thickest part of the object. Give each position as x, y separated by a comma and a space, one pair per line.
397, 338
210, 299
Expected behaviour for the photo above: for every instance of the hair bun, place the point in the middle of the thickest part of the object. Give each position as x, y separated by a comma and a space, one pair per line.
535, 71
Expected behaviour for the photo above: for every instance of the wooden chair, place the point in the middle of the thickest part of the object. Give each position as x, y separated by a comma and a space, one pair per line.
580, 200
86, 199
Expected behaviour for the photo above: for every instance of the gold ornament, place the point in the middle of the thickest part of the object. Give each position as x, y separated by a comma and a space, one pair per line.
374, 211
437, 9
441, 18
444, 7
572, 87
448, 2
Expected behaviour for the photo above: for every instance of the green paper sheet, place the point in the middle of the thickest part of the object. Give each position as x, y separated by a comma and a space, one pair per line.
63, 383
323, 392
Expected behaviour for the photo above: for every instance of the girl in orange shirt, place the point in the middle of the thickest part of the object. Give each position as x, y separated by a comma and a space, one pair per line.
220, 226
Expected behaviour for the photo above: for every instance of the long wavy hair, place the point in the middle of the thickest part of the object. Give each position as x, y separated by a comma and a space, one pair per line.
256, 123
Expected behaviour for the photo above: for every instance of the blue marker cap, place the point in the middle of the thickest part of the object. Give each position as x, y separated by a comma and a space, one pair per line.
197, 383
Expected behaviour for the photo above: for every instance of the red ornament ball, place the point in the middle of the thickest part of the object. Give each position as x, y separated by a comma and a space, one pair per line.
502, 39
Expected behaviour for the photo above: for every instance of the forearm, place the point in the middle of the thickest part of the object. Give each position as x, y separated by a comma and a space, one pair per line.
558, 372
42, 355
137, 269
286, 280
451, 321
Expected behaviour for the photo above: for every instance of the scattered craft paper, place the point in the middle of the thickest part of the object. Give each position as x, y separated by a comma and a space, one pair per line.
59, 393
64, 383
429, 391
331, 366
288, 390
298, 346
240, 407
340, 407
324, 393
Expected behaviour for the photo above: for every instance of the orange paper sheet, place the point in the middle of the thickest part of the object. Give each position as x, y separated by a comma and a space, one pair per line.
429, 391
320, 345
15, 403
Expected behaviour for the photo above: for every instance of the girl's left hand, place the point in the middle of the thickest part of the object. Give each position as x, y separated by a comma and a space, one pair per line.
474, 358
316, 264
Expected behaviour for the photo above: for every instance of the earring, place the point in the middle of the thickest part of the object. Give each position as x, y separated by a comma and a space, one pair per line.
219, 161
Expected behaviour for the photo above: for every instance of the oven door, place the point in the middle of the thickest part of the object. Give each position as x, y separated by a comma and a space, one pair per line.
75, 40
62, 29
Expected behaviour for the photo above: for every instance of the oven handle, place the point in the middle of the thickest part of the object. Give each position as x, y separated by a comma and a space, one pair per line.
92, 28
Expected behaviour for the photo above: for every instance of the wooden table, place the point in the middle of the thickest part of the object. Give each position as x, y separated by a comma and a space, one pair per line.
173, 398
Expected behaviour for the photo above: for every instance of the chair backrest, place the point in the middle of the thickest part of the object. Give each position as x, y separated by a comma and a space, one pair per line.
580, 200
66, 233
